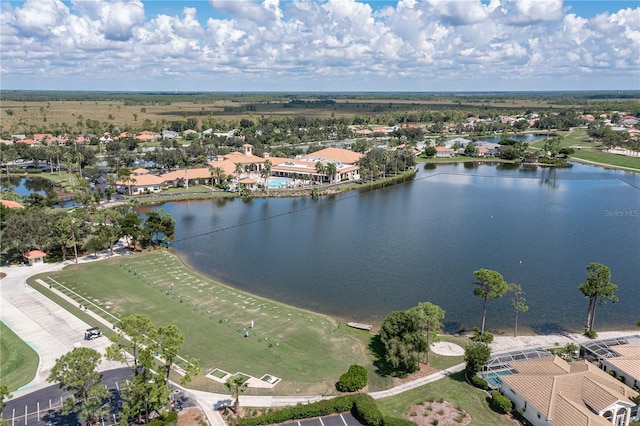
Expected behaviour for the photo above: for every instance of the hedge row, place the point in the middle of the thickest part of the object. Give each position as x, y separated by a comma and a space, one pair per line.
362, 405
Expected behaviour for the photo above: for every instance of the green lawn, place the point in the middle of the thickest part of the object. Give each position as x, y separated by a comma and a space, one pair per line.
453, 389
307, 350
18, 361
590, 151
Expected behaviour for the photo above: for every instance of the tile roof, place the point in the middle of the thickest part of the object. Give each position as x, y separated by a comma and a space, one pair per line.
337, 154
142, 180
11, 204
34, 254
564, 392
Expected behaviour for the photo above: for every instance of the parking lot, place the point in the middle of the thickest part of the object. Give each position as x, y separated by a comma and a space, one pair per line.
344, 419
42, 407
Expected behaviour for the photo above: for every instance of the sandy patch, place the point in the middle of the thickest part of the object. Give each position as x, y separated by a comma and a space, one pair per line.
447, 349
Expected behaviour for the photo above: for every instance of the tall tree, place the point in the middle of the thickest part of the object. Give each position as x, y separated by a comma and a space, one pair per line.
236, 385
597, 285
169, 340
265, 173
428, 319
136, 348
490, 285
76, 372
518, 302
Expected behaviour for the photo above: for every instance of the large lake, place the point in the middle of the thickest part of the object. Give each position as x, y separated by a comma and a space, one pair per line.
359, 255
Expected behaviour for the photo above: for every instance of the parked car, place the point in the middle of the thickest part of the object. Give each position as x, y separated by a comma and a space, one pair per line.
92, 333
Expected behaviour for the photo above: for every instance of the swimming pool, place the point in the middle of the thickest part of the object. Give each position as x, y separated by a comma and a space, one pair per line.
279, 182
494, 378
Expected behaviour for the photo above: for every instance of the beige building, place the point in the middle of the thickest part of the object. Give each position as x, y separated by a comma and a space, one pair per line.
553, 392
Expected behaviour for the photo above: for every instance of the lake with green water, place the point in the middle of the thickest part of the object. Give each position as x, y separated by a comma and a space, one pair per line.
358, 256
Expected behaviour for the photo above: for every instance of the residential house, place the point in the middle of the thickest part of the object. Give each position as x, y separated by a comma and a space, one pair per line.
619, 357
11, 204
139, 182
42, 137
30, 142
444, 152
552, 392
169, 135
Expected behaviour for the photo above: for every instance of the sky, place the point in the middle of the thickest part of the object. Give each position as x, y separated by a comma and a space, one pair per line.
320, 45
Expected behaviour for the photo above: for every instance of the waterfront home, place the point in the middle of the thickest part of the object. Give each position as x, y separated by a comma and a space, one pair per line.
552, 392
619, 357
444, 152
139, 182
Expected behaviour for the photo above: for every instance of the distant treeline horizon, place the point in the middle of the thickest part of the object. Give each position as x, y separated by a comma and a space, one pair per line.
557, 97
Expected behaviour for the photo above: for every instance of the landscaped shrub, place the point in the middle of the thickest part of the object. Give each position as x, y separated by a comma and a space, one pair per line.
591, 334
500, 402
479, 382
485, 337
353, 380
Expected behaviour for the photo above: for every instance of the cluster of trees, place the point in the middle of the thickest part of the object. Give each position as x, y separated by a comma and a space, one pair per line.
379, 162
407, 336
148, 351
63, 234
611, 138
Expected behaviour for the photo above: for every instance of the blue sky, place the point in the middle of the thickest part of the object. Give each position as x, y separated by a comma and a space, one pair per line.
328, 45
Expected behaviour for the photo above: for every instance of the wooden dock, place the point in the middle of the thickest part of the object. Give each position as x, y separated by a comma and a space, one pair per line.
359, 326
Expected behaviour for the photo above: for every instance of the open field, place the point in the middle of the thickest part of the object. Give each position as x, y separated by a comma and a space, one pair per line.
18, 361
24, 111
306, 350
452, 389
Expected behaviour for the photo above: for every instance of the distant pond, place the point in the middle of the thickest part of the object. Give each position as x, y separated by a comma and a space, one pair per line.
24, 186
359, 255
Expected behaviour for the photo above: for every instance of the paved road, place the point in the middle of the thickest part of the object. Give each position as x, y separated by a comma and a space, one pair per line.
42, 407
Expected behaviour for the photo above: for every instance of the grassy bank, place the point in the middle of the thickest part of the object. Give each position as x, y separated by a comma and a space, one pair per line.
18, 361
307, 351
453, 389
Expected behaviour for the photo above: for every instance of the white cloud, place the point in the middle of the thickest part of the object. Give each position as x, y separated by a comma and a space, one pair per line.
429, 44
37, 17
528, 12
458, 12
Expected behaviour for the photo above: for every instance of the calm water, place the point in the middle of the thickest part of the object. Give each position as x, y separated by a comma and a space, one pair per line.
25, 186
359, 255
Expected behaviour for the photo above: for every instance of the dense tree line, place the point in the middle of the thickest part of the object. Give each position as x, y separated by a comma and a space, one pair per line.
64, 235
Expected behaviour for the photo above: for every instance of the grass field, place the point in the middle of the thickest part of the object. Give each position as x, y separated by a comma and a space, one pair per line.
590, 151
18, 361
453, 389
307, 350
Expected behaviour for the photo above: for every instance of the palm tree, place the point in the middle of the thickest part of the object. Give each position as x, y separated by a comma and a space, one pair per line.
236, 385
320, 170
330, 169
518, 302
185, 162
265, 173
239, 170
